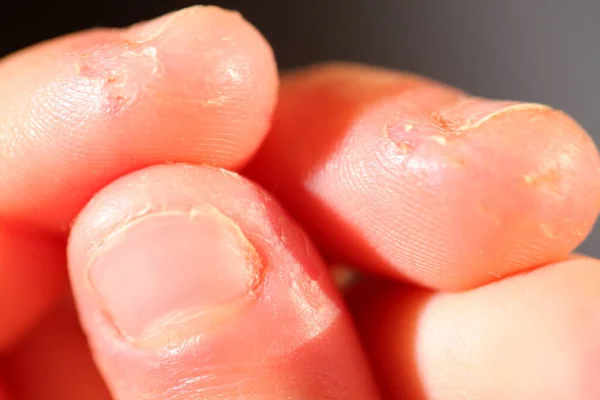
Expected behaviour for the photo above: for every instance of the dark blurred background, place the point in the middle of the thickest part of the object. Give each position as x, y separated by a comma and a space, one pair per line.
536, 50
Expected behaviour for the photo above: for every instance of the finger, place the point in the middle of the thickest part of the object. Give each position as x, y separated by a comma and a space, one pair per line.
4, 392
409, 177
197, 85
531, 336
78, 112
191, 282
54, 362
32, 272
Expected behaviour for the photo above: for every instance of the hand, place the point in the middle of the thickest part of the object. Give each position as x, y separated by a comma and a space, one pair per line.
192, 282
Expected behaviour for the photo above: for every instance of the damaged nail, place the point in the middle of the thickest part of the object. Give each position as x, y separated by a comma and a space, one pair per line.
170, 276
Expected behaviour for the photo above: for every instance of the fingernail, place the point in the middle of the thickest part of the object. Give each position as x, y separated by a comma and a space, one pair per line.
170, 276
152, 29
472, 112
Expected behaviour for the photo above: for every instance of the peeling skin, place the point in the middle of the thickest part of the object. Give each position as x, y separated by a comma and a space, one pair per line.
550, 179
118, 72
316, 311
547, 230
386, 131
150, 210
458, 162
219, 101
439, 139
121, 71
441, 122
580, 233
404, 147
448, 121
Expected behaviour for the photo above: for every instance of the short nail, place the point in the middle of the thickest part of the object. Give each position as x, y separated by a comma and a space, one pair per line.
152, 29
472, 112
170, 276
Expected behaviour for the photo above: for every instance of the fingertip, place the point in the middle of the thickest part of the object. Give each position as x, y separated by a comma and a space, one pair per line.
79, 111
197, 86
179, 215
200, 62
410, 178
216, 59
181, 269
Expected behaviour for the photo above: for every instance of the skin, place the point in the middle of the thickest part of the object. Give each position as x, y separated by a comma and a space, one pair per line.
199, 202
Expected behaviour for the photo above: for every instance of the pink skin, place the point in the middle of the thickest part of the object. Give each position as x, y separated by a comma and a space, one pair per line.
279, 325
415, 180
395, 173
529, 336
78, 112
195, 86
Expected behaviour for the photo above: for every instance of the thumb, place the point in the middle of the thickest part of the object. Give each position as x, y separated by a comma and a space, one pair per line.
192, 283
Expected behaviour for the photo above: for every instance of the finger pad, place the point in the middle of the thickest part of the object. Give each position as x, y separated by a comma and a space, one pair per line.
404, 183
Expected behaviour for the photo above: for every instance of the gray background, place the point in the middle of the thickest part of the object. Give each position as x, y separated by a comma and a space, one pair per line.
536, 50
